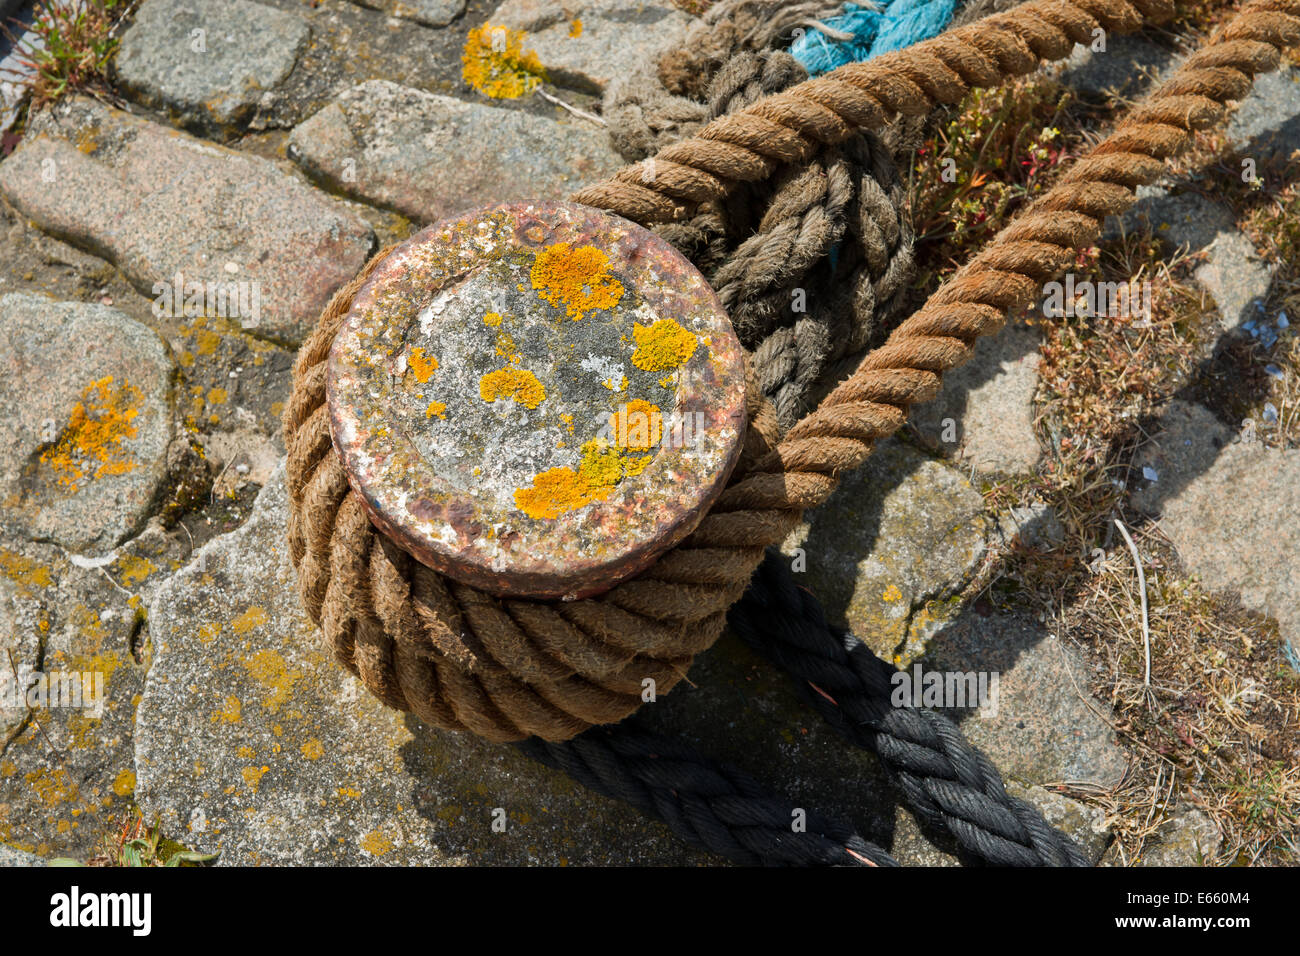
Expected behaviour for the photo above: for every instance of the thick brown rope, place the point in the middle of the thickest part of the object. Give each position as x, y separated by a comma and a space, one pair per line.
791, 126
507, 669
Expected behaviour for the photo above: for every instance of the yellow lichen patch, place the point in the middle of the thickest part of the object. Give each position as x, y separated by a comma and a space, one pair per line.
557, 491
663, 346
52, 786
23, 571
422, 366
217, 396
135, 569
231, 711
637, 425
436, 408
253, 777
517, 383
492, 320
124, 783
313, 749
575, 28
507, 349
600, 465
576, 279
255, 616
495, 63
270, 670
892, 593
376, 843
92, 443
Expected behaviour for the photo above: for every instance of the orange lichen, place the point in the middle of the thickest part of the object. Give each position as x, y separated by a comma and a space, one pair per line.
663, 346
558, 491
637, 425
436, 408
575, 28
422, 366
91, 444
507, 349
495, 63
517, 383
492, 319
576, 279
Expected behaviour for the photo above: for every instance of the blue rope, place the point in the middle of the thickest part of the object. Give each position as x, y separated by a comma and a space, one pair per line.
880, 28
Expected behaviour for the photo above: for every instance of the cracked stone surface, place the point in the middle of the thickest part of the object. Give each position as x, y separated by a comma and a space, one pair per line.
67, 762
1232, 271
889, 549
252, 741
85, 420
1266, 124
207, 63
584, 44
1219, 499
149, 199
429, 156
1180, 219
984, 414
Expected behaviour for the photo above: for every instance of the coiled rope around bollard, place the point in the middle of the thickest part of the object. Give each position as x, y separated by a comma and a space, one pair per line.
950, 785
508, 669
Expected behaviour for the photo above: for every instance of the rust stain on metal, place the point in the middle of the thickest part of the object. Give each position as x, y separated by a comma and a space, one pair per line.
538, 399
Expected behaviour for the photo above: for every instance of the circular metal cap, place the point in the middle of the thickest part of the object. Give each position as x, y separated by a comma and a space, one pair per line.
537, 399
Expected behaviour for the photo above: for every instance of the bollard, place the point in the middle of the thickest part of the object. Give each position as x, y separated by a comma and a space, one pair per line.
536, 399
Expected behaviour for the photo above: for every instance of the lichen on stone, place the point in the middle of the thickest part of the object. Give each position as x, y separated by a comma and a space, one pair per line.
662, 346
92, 444
422, 366
495, 63
575, 279
516, 383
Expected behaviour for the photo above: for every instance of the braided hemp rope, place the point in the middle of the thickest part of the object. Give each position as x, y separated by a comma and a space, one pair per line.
507, 669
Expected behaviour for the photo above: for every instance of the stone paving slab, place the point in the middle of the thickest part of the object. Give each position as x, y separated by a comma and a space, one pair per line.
1228, 506
583, 44
85, 421
889, 548
158, 203
252, 741
207, 63
67, 764
429, 156
984, 414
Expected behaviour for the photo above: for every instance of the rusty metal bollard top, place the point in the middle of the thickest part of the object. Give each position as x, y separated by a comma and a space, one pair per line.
537, 399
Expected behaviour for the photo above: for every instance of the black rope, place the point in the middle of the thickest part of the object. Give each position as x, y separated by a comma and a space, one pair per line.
707, 804
950, 784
